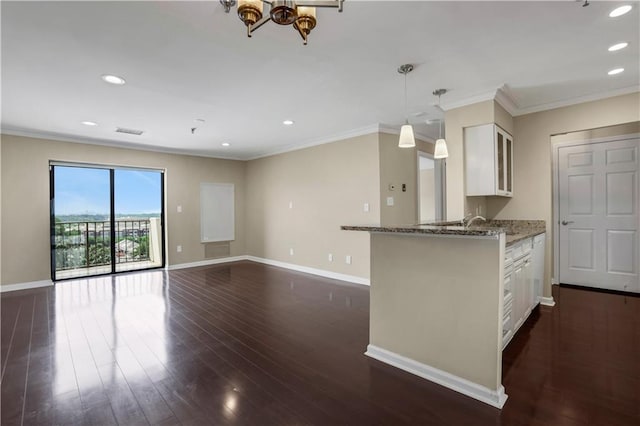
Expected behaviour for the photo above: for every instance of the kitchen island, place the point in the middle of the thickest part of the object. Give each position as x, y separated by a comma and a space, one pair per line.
436, 303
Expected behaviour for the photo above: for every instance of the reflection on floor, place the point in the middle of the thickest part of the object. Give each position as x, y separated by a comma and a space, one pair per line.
106, 269
246, 343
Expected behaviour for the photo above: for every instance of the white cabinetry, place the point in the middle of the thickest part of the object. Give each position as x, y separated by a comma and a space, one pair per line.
538, 266
488, 153
522, 283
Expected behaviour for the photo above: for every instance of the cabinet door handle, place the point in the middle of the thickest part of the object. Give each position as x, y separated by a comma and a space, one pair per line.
566, 222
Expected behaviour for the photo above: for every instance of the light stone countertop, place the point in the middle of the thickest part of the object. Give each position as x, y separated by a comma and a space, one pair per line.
515, 230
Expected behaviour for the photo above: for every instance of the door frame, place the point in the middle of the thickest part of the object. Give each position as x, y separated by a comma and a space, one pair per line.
439, 182
164, 234
565, 140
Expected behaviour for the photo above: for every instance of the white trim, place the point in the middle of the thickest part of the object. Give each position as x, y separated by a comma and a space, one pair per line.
578, 100
495, 398
285, 265
362, 131
313, 271
206, 262
547, 301
27, 133
25, 286
482, 97
506, 99
555, 195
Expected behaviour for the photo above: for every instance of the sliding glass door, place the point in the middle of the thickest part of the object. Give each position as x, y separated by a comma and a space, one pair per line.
105, 220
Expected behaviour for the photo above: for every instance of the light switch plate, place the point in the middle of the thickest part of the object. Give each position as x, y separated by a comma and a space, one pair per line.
365, 207
179, 209
389, 201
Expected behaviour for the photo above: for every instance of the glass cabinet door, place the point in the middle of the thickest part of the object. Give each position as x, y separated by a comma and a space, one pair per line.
509, 166
500, 161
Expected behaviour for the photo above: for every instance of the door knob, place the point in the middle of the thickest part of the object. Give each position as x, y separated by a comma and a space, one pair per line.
566, 222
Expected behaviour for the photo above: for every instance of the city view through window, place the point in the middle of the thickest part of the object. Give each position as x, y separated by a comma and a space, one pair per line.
86, 239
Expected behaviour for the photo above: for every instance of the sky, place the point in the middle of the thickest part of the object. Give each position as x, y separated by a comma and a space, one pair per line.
80, 190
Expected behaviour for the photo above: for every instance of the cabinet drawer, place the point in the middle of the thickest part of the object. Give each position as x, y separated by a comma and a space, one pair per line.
517, 251
508, 256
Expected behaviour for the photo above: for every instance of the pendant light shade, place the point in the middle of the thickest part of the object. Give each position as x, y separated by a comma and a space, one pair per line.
406, 137
406, 131
440, 150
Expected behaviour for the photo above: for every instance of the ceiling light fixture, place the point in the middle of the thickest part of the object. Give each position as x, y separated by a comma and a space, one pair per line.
618, 46
288, 122
406, 131
225, 144
440, 151
619, 11
299, 13
616, 71
89, 123
113, 79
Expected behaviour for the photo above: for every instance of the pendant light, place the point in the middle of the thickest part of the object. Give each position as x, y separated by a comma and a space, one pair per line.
440, 150
406, 131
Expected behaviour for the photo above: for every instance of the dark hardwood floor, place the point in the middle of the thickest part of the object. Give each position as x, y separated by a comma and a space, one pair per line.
250, 344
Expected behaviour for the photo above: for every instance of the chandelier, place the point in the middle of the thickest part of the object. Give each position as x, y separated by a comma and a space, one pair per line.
301, 14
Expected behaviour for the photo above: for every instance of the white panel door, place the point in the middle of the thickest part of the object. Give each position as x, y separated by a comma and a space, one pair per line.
598, 212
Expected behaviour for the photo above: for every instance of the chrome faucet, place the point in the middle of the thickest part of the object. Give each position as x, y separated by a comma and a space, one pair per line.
470, 221
464, 220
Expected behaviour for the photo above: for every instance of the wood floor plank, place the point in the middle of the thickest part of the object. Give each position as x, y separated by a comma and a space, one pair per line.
252, 344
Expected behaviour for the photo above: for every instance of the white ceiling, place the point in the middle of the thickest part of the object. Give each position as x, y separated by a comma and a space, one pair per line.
189, 60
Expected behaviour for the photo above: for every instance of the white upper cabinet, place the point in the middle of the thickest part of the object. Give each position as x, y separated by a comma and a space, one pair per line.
488, 153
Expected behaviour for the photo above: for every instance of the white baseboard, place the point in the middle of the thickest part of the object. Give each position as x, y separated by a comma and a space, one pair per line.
313, 271
547, 301
25, 286
495, 398
206, 262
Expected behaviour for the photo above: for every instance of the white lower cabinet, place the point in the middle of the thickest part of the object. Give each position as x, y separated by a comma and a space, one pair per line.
522, 285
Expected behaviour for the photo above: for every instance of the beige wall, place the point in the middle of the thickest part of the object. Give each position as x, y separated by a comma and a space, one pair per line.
532, 158
425, 307
328, 186
25, 199
455, 122
398, 166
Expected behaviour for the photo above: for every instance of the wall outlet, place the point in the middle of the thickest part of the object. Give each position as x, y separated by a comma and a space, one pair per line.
330, 257
389, 201
347, 260
179, 209
365, 208
179, 249
290, 252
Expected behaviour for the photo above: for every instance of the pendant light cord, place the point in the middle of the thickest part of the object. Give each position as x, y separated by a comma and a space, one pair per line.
441, 118
406, 116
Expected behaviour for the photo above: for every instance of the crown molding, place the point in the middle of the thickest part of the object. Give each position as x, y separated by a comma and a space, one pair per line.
481, 97
578, 100
361, 131
505, 97
60, 137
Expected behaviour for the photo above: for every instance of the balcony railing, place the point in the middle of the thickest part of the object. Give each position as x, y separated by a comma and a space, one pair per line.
88, 244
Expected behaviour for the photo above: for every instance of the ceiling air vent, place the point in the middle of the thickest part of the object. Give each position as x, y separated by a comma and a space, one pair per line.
129, 131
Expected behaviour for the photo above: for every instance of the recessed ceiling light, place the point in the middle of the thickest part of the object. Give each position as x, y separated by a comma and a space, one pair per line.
113, 79
288, 122
225, 144
619, 11
616, 71
618, 46
199, 120
89, 123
